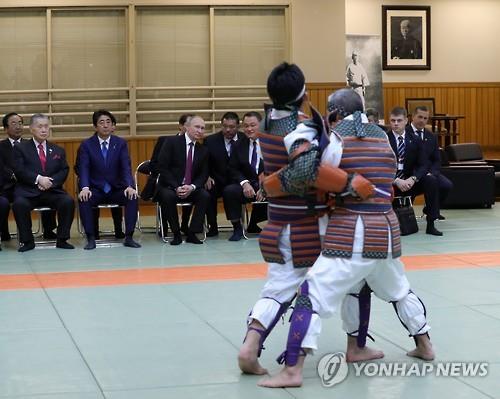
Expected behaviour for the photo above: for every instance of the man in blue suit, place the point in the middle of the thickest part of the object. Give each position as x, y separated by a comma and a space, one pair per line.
106, 177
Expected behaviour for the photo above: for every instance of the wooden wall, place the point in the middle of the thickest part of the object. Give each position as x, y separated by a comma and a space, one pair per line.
478, 102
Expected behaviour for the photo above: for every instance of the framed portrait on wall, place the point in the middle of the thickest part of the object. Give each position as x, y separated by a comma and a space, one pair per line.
406, 37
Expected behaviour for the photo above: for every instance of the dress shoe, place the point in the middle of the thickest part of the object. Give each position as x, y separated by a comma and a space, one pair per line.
177, 240
191, 237
27, 246
90, 243
63, 244
441, 217
253, 228
129, 242
432, 230
119, 234
237, 234
6, 236
212, 232
49, 235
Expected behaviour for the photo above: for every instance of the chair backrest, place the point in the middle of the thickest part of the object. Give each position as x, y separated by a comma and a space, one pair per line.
412, 103
464, 152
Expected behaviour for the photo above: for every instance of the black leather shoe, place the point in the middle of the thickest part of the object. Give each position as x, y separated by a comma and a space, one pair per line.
237, 234
90, 243
213, 232
432, 230
63, 244
119, 234
191, 237
49, 235
441, 217
253, 228
177, 240
27, 246
129, 242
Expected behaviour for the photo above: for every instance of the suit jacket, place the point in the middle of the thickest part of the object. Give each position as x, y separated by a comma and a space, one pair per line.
155, 156
431, 150
93, 171
7, 155
239, 165
172, 163
27, 167
219, 159
414, 163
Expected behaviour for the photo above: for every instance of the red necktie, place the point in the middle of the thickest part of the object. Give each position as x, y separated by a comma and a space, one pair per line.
189, 165
41, 154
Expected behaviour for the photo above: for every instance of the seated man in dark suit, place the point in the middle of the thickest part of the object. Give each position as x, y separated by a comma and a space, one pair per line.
106, 177
411, 178
41, 170
183, 167
219, 148
245, 166
153, 165
13, 127
419, 119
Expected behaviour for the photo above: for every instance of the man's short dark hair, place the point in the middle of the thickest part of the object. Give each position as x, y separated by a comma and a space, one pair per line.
420, 108
184, 118
345, 102
284, 86
253, 114
230, 115
372, 112
397, 111
5, 120
102, 112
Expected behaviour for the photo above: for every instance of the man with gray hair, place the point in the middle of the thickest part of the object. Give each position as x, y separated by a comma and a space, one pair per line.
362, 244
41, 170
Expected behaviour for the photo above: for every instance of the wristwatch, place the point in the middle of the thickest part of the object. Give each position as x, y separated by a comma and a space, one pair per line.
414, 178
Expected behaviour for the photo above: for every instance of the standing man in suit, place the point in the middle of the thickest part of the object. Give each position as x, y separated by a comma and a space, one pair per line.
220, 145
183, 167
106, 177
13, 127
41, 169
245, 166
419, 119
411, 177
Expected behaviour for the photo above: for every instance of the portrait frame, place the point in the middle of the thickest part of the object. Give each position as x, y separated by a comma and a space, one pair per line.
412, 103
414, 52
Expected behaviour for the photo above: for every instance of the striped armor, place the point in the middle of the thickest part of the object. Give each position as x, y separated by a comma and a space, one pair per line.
370, 155
300, 212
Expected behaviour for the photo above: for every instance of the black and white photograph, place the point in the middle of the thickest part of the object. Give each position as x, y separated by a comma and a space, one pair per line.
364, 70
406, 37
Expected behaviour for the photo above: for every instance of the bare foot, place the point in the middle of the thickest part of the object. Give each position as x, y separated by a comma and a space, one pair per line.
356, 354
363, 354
424, 349
247, 358
288, 377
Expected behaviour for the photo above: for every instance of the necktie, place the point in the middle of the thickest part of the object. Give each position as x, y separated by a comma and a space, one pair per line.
104, 150
253, 161
421, 134
189, 165
231, 145
401, 155
41, 154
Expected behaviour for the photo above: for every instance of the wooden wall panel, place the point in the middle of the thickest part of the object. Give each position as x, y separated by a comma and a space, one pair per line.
479, 103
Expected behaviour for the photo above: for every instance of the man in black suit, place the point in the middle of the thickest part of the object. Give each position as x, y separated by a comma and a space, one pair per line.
411, 177
419, 119
245, 166
219, 147
13, 127
41, 170
105, 177
183, 167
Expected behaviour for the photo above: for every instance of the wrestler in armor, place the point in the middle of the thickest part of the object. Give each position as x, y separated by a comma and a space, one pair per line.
290, 242
362, 243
